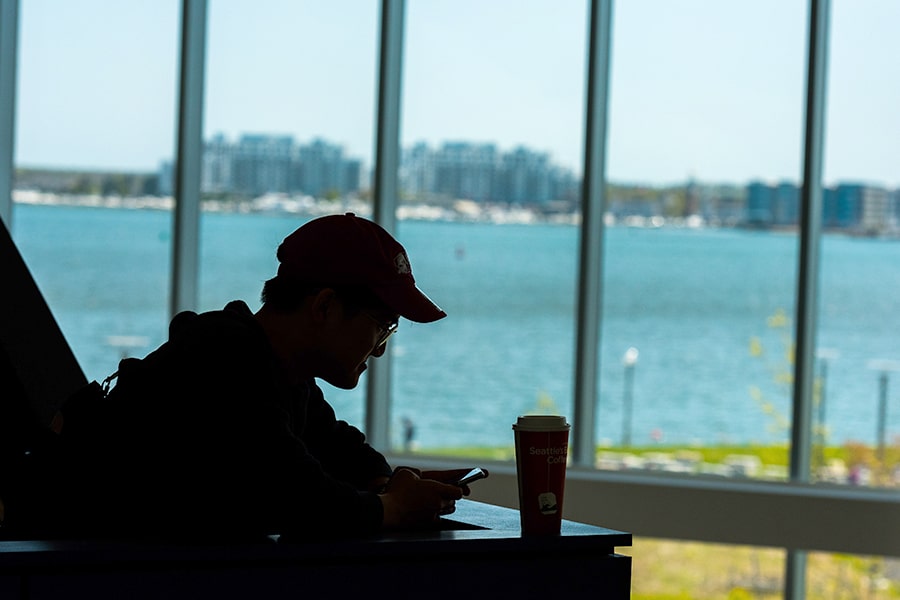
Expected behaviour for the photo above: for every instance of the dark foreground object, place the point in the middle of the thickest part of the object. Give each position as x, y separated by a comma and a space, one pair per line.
479, 553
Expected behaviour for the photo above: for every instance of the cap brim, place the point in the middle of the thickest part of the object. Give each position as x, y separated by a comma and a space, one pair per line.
410, 303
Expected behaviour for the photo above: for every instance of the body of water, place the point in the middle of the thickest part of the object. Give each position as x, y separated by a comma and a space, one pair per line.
709, 312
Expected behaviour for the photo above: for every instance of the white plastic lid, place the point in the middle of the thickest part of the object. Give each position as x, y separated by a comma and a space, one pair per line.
541, 423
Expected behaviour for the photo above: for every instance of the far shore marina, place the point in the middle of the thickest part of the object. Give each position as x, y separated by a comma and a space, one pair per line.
460, 210
307, 206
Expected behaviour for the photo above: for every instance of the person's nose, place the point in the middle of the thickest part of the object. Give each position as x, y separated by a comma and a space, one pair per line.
379, 350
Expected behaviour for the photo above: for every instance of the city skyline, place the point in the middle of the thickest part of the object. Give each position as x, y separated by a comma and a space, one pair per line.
263, 171
408, 151
678, 110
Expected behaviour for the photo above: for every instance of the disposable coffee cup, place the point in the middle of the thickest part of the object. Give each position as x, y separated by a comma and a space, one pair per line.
542, 446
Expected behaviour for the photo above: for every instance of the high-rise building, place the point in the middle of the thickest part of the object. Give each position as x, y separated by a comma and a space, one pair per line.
216, 174
842, 206
417, 170
320, 169
524, 177
262, 164
481, 173
786, 204
259, 164
465, 170
759, 203
875, 210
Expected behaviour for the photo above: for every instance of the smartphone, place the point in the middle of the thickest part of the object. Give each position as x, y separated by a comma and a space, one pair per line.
473, 475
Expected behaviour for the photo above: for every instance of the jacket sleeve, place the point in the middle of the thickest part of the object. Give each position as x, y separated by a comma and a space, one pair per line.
298, 492
340, 448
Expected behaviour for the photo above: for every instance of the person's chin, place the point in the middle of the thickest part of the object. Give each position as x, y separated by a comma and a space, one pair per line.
348, 382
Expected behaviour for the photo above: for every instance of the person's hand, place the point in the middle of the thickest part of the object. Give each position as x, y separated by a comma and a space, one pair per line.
378, 484
447, 476
411, 500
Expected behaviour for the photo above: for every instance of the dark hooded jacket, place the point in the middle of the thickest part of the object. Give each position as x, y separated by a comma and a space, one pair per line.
206, 436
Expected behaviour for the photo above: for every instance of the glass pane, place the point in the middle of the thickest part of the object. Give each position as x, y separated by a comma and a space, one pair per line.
705, 111
95, 117
858, 421
701, 571
492, 133
289, 134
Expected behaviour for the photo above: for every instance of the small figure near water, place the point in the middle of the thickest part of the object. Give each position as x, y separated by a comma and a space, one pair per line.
409, 434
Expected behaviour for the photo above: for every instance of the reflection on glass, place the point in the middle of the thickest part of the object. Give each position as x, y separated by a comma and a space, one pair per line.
492, 127
95, 103
699, 277
858, 425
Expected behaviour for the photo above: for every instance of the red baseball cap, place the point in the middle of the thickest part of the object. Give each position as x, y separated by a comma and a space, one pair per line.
349, 250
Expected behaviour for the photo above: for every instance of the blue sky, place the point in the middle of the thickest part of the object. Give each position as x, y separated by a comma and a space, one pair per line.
700, 88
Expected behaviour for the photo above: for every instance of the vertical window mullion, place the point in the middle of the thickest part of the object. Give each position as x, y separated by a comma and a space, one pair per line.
808, 273
593, 201
387, 161
188, 158
810, 231
9, 25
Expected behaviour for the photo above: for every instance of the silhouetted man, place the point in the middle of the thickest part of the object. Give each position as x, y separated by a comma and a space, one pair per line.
223, 430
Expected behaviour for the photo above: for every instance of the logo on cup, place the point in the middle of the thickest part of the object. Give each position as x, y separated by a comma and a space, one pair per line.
547, 503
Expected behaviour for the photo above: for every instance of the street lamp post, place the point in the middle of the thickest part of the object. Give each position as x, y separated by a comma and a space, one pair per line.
824, 355
629, 360
882, 413
883, 366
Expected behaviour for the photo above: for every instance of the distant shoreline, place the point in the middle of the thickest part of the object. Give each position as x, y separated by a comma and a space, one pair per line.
460, 211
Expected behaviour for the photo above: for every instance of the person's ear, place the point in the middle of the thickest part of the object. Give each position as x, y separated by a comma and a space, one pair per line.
323, 303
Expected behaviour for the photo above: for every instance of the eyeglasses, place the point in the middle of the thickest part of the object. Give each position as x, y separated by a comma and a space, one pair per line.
386, 330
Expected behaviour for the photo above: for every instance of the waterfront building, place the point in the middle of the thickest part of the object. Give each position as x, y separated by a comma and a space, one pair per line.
417, 170
322, 170
759, 203
524, 177
218, 158
483, 174
843, 205
773, 204
786, 204
895, 209
875, 210
260, 164
166, 178
846, 206
466, 170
